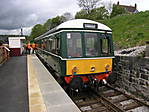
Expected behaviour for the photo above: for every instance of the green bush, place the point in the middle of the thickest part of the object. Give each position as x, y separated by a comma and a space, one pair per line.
130, 30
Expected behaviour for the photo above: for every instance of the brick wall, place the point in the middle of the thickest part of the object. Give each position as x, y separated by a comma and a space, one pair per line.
133, 75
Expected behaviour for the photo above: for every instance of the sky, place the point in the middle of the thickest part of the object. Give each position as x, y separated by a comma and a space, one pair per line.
17, 14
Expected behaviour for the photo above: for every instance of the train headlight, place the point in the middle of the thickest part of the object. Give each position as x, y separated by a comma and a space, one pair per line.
92, 69
74, 70
107, 67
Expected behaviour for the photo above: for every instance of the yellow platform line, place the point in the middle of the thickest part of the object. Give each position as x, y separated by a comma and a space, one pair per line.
36, 103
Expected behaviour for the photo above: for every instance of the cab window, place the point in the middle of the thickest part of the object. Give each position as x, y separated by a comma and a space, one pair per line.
105, 45
91, 43
74, 45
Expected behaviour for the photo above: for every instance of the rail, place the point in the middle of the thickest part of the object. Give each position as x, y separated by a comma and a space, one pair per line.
109, 99
4, 54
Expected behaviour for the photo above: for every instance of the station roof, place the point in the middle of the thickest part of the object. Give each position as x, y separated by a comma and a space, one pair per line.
20, 38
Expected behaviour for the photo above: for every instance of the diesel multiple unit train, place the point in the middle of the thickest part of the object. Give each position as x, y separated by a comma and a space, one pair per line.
80, 52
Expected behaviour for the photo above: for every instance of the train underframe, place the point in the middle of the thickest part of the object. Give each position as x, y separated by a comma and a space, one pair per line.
77, 83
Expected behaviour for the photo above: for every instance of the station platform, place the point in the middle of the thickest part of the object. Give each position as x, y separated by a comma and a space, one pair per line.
45, 94
13, 85
27, 86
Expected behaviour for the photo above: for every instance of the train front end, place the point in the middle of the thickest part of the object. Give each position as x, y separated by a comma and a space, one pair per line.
89, 57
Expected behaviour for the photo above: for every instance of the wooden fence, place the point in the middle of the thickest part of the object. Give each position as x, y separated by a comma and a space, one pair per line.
4, 54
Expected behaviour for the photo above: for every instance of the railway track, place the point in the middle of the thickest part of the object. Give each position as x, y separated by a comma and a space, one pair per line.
108, 99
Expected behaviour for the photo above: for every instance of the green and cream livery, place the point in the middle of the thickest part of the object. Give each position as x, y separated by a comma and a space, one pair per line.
80, 51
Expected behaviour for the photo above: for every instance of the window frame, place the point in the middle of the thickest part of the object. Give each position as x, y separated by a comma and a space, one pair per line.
110, 45
98, 54
55, 39
84, 46
82, 55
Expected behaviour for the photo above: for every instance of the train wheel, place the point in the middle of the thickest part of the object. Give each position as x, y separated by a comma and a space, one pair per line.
76, 84
112, 78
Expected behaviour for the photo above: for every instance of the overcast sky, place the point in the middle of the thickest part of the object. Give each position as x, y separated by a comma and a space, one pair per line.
15, 14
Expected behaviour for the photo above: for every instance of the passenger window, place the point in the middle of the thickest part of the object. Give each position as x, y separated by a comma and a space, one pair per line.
58, 46
43, 44
39, 44
46, 44
50, 44
53, 47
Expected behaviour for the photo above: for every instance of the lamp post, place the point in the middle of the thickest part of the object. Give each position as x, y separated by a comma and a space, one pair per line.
21, 31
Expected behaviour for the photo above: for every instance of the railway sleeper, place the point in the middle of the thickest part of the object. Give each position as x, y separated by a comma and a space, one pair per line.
111, 94
139, 109
119, 98
87, 103
132, 105
99, 109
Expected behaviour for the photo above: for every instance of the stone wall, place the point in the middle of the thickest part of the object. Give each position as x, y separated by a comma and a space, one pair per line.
147, 50
133, 75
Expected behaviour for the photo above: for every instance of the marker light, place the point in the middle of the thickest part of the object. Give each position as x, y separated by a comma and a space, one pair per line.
74, 70
107, 67
92, 69
104, 81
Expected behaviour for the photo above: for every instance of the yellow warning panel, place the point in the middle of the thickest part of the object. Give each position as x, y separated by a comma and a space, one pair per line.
88, 66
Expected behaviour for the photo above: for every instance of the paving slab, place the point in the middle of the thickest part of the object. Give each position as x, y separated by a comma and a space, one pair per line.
55, 98
36, 102
13, 85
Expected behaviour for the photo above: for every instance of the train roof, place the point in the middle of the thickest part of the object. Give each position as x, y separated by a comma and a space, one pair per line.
78, 24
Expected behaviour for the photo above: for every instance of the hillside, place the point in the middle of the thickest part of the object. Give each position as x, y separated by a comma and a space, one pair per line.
129, 30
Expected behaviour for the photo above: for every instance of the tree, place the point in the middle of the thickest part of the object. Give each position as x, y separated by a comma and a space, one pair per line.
117, 11
100, 13
56, 21
81, 15
47, 24
37, 30
88, 5
66, 16
110, 6
95, 14
51, 23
